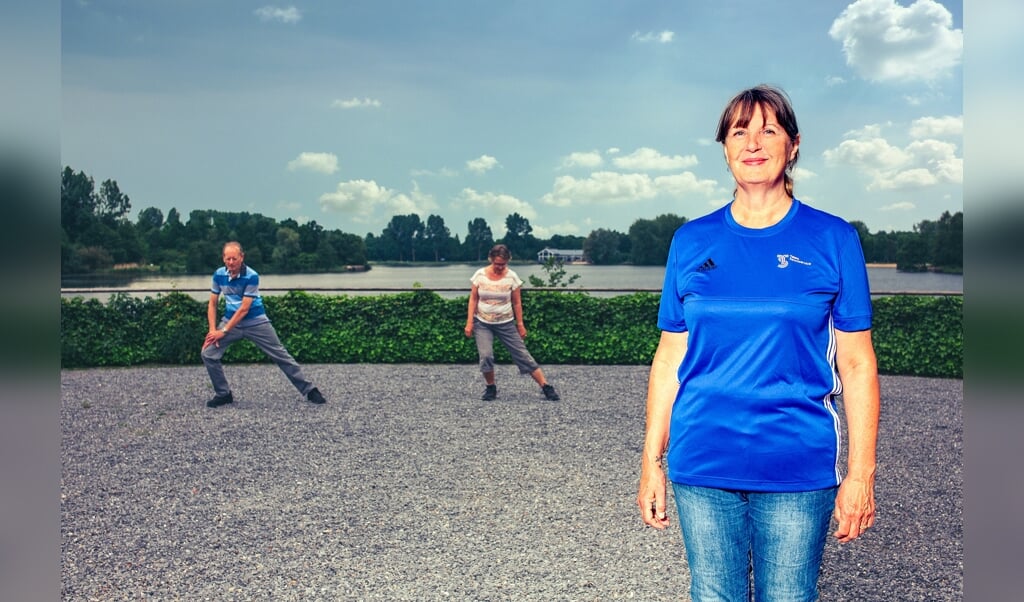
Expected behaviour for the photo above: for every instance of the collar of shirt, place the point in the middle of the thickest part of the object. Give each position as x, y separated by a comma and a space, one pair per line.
241, 272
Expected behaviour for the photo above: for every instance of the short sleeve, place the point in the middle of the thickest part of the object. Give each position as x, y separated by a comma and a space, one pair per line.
852, 310
670, 310
252, 286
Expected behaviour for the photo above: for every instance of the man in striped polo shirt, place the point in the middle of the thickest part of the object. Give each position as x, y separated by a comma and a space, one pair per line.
244, 318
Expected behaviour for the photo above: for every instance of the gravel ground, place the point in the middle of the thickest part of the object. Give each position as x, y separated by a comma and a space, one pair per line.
405, 486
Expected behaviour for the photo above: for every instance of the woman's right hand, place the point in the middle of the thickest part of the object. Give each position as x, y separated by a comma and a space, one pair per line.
469, 329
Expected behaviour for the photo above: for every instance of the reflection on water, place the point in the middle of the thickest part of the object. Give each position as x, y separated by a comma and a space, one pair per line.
455, 278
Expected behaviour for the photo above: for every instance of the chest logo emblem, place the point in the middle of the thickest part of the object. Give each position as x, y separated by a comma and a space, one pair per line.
707, 266
786, 258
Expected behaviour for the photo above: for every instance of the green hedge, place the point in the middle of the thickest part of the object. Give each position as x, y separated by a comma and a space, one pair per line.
921, 336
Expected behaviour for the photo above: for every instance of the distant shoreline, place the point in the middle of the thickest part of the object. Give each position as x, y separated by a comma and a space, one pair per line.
881, 265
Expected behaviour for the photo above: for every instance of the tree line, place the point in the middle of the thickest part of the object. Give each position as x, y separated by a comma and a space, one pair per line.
97, 235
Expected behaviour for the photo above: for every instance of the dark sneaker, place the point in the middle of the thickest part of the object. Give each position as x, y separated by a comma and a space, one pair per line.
490, 393
314, 396
550, 393
220, 400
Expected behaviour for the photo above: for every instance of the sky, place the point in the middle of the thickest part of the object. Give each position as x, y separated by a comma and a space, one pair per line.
576, 114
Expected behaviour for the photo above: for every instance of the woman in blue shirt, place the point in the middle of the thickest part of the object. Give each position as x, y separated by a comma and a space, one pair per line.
765, 318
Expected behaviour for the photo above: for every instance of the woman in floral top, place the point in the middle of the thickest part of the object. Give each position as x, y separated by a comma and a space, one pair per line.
496, 309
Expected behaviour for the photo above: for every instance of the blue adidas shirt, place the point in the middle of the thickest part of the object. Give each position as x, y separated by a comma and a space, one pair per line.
755, 407
247, 284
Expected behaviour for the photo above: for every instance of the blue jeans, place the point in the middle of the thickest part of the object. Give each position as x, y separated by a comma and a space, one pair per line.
778, 537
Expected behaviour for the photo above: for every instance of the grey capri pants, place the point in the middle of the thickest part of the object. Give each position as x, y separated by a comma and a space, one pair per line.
507, 333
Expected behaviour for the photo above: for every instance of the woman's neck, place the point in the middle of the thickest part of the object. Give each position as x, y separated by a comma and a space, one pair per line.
760, 208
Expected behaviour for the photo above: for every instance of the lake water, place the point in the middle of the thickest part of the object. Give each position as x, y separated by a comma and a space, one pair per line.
453, 281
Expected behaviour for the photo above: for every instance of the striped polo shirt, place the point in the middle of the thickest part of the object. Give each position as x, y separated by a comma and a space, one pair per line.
246, 284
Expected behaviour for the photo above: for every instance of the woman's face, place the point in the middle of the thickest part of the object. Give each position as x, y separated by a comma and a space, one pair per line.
498, 264
759, 152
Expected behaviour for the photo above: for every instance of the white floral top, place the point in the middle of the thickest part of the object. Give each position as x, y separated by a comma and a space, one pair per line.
494, 297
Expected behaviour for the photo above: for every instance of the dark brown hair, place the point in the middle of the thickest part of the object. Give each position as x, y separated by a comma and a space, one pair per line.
499, 250
740, 110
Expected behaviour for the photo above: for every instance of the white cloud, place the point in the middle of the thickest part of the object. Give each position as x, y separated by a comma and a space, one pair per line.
920, 164
917, 177
873, 130
601, 187
588, 160
614, 150
802, 175
684, 184
355, 196
834, 80
884, 41
647, 159
482, 164
416, 202
565, 228
356, 103
319, 162
497, 206
661, 37
276, 13
903, 206
444, 172
937, 127
611, 188
940, 158
361, 197
870, 155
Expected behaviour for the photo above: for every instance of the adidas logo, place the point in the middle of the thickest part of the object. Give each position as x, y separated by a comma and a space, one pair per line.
707, 266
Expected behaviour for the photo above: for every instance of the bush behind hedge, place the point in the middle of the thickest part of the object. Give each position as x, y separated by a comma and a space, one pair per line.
919, 336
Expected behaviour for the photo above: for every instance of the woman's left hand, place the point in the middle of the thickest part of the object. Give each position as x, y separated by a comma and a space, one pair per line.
522, 330
855, 509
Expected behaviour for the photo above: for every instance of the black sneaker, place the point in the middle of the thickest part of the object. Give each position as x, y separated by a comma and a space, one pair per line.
490, 393
314, 396
550, 393
220, 400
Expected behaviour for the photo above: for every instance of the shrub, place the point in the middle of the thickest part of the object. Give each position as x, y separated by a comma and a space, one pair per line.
919, 336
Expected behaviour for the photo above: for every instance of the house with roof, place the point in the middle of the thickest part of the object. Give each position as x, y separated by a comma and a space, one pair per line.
563, 255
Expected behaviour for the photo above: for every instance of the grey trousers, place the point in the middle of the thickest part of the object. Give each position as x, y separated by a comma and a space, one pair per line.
263, 336
508, 334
